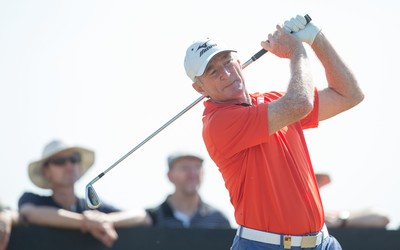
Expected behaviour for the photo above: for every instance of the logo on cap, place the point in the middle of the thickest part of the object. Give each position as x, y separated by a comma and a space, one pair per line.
205, 47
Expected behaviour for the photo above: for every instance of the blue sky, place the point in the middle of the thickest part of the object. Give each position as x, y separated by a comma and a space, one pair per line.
106, 74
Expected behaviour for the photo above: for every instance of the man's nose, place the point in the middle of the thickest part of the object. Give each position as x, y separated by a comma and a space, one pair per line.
224, 72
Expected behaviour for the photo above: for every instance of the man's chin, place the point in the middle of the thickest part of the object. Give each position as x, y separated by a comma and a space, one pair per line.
192, 191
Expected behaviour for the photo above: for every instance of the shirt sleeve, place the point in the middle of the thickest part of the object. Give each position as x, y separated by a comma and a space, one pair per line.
234, 128
35, 200
311, 120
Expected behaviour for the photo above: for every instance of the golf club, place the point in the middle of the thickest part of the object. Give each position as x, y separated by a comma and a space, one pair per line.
93, 200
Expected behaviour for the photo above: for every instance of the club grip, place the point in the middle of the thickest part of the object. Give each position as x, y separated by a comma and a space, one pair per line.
263, 51
258, 54
308, 18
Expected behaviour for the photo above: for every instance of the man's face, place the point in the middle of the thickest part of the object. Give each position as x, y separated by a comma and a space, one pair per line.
186, 174
63, 169
222, 80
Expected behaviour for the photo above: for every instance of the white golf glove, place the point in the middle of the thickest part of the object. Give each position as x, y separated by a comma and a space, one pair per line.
303, 31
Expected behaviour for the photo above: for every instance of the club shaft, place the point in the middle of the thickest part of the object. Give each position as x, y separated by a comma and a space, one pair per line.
149, 137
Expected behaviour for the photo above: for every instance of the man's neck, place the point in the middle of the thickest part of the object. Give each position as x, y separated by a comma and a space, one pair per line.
64, 197
187, 204
246, 98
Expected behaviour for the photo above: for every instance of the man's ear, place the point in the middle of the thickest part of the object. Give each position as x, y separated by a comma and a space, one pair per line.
170, 176
199, 88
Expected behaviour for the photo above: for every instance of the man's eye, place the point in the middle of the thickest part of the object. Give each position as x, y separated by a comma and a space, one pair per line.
229, 61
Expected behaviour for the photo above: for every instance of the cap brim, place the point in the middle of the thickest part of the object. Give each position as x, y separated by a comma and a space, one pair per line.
203, 67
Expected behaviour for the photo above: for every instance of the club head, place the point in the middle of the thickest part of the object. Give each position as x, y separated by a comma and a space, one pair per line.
92, 199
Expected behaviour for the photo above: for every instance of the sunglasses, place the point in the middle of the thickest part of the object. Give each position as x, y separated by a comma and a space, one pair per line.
62, 160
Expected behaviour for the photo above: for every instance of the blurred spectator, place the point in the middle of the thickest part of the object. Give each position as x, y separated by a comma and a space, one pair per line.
367, 218
59, 168
184, 208
8, 218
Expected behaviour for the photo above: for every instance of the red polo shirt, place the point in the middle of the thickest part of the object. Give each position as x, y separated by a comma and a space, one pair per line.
270, 179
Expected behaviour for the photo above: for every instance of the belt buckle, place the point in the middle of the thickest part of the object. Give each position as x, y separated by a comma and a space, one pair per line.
287, 242
309, 241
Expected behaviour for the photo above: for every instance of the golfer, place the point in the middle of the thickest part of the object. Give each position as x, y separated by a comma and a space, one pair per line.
257, 140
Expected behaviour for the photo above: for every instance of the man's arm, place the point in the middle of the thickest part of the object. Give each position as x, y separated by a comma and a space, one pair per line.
8, 218
130, 218
99, 227
368, 218
299, 98
49, 216
343, 91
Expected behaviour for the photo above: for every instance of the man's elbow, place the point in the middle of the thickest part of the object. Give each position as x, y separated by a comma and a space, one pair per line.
304, 107
27, 213
356, 98
360, 97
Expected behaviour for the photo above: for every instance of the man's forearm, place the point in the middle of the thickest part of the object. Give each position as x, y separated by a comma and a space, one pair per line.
130, 218
339, 76
301, 85
48, 216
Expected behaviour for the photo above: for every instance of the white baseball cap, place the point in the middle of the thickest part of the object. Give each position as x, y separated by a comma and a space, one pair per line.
200, 53
179, 155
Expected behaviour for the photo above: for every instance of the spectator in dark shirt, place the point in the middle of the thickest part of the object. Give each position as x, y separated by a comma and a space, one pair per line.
59, 168
184, 208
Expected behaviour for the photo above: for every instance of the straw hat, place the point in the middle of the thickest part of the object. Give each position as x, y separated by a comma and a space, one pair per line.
54, 147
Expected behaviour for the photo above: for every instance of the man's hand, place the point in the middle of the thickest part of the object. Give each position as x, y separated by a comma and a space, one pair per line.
303, 31
283, 44
100, 227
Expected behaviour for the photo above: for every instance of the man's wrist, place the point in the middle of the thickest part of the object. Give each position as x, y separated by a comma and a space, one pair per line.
84, 224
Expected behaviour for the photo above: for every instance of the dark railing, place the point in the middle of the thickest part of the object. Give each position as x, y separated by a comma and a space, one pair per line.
44, 238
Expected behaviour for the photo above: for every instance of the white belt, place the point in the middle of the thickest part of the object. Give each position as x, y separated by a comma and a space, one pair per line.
305, 241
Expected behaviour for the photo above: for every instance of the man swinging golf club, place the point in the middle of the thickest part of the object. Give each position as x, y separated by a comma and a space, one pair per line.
257, 140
